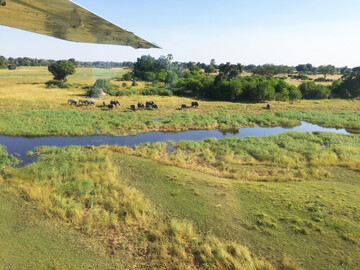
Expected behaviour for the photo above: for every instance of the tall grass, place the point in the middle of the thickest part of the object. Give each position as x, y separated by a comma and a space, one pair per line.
6, 160
326, 119
80, 186
91, 121
75, 185
284, 157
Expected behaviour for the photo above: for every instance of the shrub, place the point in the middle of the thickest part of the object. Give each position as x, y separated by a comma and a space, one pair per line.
12, 67
302, 77
6, 160
103, 84
294, 93
127, 76
264, 91
95, 92
310, 90
100, 86
322, 80
56, 84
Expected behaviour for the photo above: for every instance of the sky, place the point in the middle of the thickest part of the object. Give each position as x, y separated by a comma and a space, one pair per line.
289, 32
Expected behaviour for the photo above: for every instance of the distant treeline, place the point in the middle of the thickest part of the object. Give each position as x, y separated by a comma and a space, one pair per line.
267, 70
225, 81
13, 63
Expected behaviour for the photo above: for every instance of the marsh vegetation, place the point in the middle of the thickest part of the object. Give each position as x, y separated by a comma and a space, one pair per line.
235, 203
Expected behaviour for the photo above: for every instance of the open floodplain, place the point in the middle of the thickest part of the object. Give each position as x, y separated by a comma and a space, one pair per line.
270, 202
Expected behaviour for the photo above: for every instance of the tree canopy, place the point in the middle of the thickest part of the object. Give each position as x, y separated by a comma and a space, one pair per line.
305, 68
349, 87
3, 62
270, 70
61, 69
326, 70
228, 71
149, 69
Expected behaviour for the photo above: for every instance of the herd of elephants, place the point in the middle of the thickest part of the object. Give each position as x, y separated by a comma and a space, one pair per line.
115, 103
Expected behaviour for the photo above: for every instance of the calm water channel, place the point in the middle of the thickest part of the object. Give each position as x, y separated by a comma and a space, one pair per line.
21, 145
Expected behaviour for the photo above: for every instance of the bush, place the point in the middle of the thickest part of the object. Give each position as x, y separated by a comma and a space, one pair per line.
56, 84
100, 86
302, 77
294, 93
95, 92
264, 91
310, 90
103, 84
323, 80
127, 76
12, 67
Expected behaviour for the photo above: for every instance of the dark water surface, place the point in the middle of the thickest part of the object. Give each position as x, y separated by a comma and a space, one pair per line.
21, 145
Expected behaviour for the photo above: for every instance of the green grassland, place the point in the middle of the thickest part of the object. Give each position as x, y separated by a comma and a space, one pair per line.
84, 188
169, 212
315, 222
288, 201
25, 99
30, 241
294, 194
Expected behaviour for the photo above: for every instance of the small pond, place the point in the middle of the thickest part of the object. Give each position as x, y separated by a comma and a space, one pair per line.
21, 145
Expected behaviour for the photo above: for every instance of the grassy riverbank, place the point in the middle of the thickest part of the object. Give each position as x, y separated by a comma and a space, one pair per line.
75, 123
185, 215
292, 156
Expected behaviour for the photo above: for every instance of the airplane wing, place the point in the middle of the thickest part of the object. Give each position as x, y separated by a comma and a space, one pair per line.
66, 20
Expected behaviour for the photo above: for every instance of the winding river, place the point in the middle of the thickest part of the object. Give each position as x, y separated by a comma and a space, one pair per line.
19, 146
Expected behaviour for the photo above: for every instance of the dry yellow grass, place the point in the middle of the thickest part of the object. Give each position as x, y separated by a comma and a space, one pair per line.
24, 90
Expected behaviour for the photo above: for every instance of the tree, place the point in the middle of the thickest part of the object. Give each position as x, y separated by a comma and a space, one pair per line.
305, 68
264, 91
310, 90
147, 68
170, 57
163, 63
294, 93
61, 69
3, 62
344, 70
326, 70
73, 61
267, 70
351, 82
172, 78
249, 68
210, 69
228, 71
